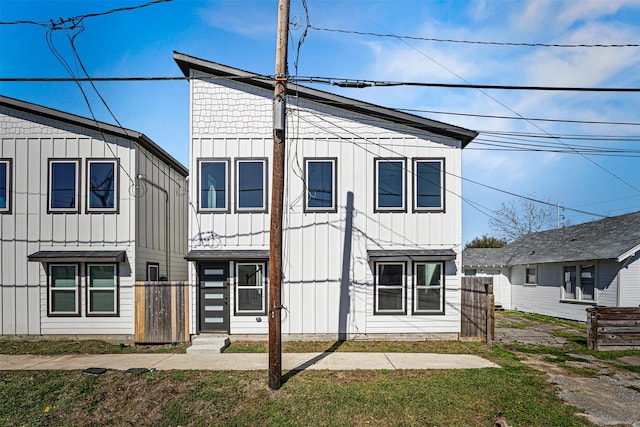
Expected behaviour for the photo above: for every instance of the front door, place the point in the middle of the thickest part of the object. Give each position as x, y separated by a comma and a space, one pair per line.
213, 284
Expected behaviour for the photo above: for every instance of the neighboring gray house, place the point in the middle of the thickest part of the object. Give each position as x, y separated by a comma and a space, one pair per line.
86, 209
562, 272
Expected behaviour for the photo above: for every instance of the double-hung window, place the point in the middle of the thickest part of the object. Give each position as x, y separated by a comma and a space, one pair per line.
102, 289
389, 194
64, 176
5, 186
390, 288
213, 180
320, 177
579, 283
428, 185
530, 276
250, 288
102, 185
64, 290
251, 185
428, 288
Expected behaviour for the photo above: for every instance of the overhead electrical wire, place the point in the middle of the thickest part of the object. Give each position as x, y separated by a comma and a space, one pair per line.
476, 42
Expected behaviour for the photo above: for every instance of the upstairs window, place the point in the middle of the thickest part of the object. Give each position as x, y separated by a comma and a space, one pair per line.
63, 186
251, 183
320, 182
64, 292
250, 288
428, 185
5, 186
390, 185
101, 186
214, 195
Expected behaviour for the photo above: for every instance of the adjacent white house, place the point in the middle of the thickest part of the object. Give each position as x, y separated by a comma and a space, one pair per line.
563, 272
372, 225
86, 209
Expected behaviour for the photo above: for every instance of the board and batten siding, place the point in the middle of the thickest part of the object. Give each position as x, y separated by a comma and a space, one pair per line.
159, 185
230, 120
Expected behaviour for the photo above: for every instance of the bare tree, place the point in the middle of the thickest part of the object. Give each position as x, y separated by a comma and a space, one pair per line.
514, 220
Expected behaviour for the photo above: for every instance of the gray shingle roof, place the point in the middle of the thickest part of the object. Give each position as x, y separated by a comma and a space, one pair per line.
608, 238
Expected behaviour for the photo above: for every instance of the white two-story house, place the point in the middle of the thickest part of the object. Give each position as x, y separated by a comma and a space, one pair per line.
86, 209
372, 212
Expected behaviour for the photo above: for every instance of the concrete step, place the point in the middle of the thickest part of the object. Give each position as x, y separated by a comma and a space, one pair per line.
208, 344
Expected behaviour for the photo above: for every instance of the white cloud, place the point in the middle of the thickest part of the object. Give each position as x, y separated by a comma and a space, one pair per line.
250, 18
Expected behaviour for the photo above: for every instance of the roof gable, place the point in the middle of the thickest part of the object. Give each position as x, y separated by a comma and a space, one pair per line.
187, 63
95, 125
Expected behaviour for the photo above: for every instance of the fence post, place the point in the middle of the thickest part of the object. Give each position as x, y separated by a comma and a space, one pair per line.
592, 326
490, 316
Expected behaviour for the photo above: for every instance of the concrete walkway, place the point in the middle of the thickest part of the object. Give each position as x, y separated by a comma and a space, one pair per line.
246, 361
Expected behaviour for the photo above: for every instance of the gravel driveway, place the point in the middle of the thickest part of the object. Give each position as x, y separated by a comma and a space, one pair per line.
606, 393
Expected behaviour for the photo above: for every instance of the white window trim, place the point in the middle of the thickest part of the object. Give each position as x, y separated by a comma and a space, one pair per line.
227, 206
403, 311
116, 186
440, 208
334, 164
51, 290
578, 293
151, 265
262, 208
535, 276
417, 287
263, 287
76, 208
90, 290
403, 207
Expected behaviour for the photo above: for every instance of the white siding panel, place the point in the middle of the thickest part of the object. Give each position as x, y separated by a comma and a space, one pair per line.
630, 283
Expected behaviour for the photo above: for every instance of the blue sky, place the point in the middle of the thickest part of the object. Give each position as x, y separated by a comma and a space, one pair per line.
241, 33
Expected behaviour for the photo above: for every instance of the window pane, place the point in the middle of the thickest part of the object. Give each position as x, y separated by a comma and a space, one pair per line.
63, 185
213, 185
251, 184
390, 274
249, 275
587, 282
428, 185
102, 276
250, 299
102, 185
390, 184
102, 301
319, 184
428, 274
63, 301
390, 299
4, 187
428, 299
570, 282
63, 276
153, 273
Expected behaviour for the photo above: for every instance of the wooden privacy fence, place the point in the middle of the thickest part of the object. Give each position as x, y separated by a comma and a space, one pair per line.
613, 328
478, 316
162, 312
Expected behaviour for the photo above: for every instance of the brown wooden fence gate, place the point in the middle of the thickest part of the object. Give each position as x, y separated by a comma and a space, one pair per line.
613, 328
477, 316
162, 312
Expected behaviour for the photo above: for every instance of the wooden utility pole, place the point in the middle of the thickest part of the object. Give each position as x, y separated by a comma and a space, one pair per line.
277, 194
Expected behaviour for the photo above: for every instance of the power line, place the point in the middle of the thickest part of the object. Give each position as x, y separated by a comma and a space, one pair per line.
494, 43
75, 20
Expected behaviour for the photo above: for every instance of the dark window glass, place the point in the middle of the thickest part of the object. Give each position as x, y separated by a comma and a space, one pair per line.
390, 288
63, 289
63, 185
390, 184
251, 185
587, 282
251, 288
428, 184
4, 187
102, 289
428, 287
213, 185
102, 185
570, 282
319, 184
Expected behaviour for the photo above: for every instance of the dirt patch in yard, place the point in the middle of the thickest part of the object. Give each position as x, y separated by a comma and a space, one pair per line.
607, 391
